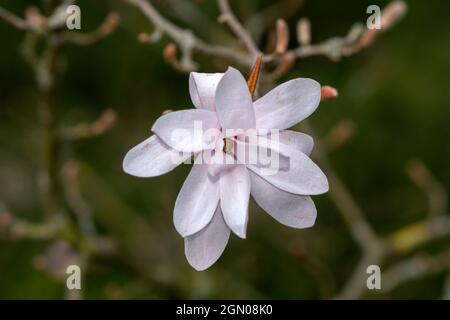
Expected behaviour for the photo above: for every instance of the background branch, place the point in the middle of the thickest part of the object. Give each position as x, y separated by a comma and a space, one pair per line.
187, 41
13, 20
227, 16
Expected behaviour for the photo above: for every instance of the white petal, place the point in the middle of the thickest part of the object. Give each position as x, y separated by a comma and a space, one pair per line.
269, 148
151, 158
234, 197
184, 130
234, 104
218, 162
196, 202
206, 246
286, 140
248, 150
301, 176
287, 104
292, 210
202, 88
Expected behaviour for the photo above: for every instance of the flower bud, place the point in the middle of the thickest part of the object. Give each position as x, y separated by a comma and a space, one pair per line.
304, 31
328, 93
110, 24
170, 53
282, 31
143, 37
392, 13
106, 121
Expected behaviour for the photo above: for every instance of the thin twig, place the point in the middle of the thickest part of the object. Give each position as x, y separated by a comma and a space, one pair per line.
360, 229
433, 189
398, 242
108, 26
413, 268
416, 234
17, 228
187, 41
89, 130
356, 283
75, 199
229, 18
13, 20
59, 16
333, 48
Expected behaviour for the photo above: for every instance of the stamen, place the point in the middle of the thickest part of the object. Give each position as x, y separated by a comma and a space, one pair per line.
227, 145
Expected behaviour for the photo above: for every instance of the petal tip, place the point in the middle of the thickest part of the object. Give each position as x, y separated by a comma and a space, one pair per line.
197, 266
182, 228
309, 223
321, 187
125, 162
129, 165
325, 186
242, 234
232, 69
239, 230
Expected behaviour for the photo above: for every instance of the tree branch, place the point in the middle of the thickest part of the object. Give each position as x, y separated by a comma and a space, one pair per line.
413, 268
108, 26
227, 16
188, 41
13, 20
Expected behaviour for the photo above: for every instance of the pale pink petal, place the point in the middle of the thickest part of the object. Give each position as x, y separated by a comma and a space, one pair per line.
290, 209
196, 202
184, 130
234, 197
202, 88
249, 151
287, 104
271, 146
217, 161
152, 158
234, 104
301, 176
286, 140
205, 247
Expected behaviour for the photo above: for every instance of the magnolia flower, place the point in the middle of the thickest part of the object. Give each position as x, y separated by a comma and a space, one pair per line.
213, 200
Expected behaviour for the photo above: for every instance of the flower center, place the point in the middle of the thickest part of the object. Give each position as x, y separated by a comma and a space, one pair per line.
227, 145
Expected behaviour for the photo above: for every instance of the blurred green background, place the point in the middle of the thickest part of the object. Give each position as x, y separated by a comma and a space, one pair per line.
395, 95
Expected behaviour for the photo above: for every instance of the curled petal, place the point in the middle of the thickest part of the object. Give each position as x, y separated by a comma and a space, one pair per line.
196, 202
287, 104
203, 248
202, 88
234, 197
186, 130
300, 176
290, 209
152, 158
234, 104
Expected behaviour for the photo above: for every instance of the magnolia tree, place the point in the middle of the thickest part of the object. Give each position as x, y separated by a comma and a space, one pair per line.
238, 137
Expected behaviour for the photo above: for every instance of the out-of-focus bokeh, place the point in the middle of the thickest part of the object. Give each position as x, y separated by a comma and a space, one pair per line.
386, 138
